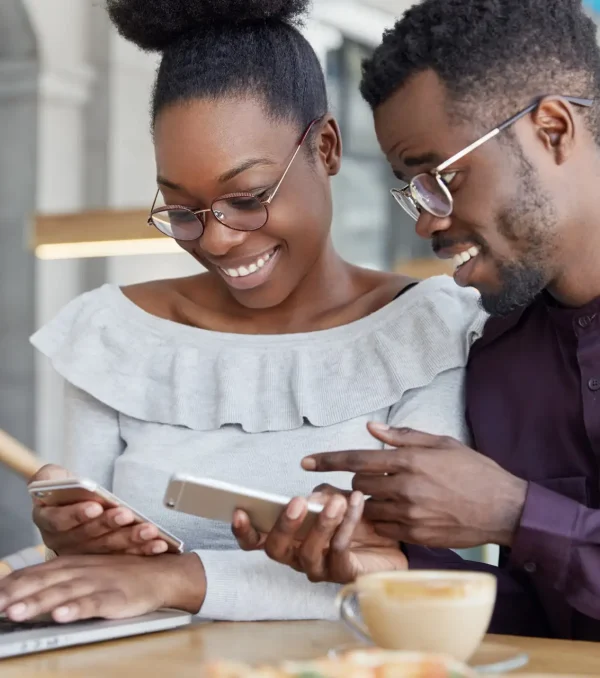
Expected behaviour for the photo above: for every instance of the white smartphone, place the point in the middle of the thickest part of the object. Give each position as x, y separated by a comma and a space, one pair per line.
75, 490
217, 500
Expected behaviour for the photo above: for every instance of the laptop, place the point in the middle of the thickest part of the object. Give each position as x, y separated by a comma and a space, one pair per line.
20, 638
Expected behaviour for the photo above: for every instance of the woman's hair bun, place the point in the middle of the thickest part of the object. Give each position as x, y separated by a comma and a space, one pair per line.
155, 24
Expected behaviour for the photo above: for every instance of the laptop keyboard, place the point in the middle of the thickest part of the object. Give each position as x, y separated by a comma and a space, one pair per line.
8, 626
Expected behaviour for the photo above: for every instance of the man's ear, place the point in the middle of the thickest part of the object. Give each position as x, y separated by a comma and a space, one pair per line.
557, 127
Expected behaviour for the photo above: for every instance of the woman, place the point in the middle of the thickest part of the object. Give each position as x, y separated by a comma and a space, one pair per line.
279, 348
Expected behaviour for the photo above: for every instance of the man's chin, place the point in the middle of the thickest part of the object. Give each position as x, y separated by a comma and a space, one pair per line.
502, 304
516, 287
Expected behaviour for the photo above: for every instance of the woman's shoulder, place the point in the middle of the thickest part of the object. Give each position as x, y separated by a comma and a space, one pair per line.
430, 327
437, 299
440, 299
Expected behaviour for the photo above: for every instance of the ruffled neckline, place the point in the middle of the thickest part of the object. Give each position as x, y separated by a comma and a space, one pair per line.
158, 370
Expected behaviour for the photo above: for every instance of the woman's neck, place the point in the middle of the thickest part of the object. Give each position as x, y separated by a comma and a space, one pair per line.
332, 293
329, 285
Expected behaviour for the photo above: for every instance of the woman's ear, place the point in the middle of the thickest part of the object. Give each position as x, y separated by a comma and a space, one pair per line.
329, 142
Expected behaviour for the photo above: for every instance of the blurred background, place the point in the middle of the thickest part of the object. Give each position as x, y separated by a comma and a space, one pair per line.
77, 177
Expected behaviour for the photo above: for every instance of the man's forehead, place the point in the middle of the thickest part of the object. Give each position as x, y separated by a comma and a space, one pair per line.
415, 115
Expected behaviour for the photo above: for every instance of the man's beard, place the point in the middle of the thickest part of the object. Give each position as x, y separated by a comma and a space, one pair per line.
530, 224
520, 285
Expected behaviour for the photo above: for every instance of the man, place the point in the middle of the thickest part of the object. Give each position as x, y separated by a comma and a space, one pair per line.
489, 112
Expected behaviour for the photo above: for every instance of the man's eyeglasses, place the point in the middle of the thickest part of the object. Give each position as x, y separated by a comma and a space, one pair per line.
429, 192
238, 211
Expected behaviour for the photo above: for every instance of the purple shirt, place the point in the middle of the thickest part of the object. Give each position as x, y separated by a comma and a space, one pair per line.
533, 403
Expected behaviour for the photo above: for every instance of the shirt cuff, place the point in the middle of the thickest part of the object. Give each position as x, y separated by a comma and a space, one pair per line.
240, 585
542, 543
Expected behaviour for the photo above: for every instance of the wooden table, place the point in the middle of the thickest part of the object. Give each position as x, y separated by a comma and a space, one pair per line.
180, 654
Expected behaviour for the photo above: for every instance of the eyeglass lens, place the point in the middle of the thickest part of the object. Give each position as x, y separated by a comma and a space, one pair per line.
240, 212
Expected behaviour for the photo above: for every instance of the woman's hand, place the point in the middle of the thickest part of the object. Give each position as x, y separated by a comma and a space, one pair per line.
112, 587
87, 528
341, 546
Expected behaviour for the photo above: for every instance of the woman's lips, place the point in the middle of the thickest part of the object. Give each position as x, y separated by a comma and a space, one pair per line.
252, 275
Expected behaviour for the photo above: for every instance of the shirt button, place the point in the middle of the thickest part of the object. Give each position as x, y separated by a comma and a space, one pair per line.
530, 567
585, 321
594, 384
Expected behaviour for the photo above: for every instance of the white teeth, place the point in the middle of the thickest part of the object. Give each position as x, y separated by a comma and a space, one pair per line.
243, 271
462, 257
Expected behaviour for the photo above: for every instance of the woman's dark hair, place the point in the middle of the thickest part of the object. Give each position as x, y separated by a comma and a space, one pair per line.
218, 48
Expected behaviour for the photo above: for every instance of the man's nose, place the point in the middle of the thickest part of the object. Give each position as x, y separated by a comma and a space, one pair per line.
427, 225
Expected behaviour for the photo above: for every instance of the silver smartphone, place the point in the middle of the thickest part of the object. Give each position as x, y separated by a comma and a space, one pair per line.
218, 500
75, 490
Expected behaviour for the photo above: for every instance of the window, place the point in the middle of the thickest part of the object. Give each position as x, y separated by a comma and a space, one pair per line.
369, 229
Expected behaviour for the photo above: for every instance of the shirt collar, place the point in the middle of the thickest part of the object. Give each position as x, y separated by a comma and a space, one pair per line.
578, 319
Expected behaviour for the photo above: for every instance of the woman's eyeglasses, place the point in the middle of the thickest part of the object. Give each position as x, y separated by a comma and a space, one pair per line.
238, 211
430, 193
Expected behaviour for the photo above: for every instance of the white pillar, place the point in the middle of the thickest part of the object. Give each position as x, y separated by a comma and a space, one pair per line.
18, 101
62, 28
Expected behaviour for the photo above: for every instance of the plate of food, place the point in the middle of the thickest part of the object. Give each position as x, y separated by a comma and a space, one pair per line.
364, 663
490, 657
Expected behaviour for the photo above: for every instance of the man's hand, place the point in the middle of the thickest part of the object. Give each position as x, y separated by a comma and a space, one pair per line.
340, 547
86, 528
431, 490
112, 587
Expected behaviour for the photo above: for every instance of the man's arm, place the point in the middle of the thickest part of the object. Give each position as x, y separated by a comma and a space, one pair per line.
558, 543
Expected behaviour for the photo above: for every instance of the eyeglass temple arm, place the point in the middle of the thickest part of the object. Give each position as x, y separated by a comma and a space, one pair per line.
154, 201
578, 101
291, 162
287, 169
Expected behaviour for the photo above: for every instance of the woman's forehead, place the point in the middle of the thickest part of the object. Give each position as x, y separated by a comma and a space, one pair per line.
219, 134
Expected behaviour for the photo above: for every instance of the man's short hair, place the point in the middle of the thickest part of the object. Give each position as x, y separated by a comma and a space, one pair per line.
496, 54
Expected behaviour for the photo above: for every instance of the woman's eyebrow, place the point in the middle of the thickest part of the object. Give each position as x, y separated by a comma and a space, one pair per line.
242, 167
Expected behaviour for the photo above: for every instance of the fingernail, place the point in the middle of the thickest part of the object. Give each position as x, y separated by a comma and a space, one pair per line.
122, 519
356, 499
380, 427
309, 464
237, 520
18, 611
332, 510
147, 533
63, 612
93, 511
294, 510
159, 548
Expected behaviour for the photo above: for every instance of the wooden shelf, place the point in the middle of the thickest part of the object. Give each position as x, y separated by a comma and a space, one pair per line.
100, 233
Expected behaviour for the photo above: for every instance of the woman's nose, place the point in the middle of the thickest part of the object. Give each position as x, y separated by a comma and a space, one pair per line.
217, 239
